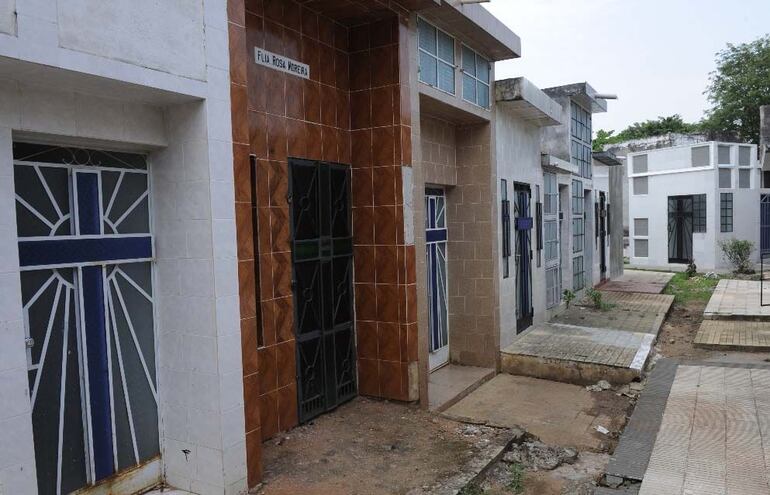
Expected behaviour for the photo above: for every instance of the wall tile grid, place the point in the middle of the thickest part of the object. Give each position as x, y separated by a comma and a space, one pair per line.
438, 151
349, 111
471, 259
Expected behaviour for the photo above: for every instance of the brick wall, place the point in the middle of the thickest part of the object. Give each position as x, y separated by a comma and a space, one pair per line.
439, 151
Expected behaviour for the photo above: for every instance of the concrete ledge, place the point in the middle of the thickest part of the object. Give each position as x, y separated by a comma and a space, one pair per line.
561, 370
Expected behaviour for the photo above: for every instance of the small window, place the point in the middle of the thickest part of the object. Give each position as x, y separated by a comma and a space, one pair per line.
640, 185
723, 154
578, 206
437, 57
552, 286
641, 226
701, 156
699, 213
744, 156
476, 71
578, 234
551, 239
726, 212
551, 189
744, 179
641, 248
640, 164
506, 221
578, 273
725, 178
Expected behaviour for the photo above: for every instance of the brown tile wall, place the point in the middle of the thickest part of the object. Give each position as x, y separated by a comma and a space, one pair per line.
385, 288
353, 110
473, 337
438, 151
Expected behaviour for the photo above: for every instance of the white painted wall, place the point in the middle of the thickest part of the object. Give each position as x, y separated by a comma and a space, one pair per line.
668, 176
8, 17
78, 95
166, 36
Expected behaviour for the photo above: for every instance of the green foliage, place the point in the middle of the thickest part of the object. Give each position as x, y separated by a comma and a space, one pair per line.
692, 269
516, 484
738, 87
568, 296
686, 289
596, 299
738, 254
471, 489
648, 128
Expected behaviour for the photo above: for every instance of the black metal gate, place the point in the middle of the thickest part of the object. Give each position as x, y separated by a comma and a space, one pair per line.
680, 218
764, 224
524, 224
322, 253
602, 235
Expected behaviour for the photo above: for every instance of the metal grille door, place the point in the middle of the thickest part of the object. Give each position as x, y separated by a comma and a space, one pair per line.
85, 250
323, 287
764, 214
436, 260
524, 224
680, 225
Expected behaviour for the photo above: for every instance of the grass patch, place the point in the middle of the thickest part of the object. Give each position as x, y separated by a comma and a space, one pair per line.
685, 290
516, 485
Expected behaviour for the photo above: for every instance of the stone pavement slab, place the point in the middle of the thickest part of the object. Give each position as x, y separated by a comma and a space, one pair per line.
557, 413
631, 312
734, 335
452, 382
630, 459
738, 300
639, 281
714, 436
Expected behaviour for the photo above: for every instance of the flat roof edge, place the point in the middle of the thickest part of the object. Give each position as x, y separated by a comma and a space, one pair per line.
537, 106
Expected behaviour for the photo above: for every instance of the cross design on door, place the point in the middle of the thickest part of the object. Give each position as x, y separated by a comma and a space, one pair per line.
83, 221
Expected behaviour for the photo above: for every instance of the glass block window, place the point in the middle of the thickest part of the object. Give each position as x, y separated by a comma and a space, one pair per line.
641, 248
552, 286
723, 154
578, 234
437, 57
744, 179
476, 71
641, 226
726, 212
578, 273
581, 139
551, 240
744, 156
725, 178
699, 213
701, 156
640, 185
551, 190
577, 197
640, 164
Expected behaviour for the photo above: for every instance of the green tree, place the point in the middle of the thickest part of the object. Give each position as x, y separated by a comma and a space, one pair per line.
738, 87
648, 128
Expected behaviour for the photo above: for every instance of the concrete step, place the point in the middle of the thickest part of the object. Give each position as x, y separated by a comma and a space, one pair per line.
734, 335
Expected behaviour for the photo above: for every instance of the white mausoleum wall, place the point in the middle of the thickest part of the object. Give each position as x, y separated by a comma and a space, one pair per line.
8, 16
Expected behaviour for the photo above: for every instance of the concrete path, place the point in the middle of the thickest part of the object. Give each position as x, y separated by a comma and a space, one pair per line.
738, 300
639, 281
732, 335
557, 413
452, 382
699, 428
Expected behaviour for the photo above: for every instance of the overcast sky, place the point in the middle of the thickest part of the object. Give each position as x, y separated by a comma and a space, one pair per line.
654, 54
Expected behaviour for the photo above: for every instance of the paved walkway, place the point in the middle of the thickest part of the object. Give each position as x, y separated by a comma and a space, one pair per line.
452, 382
739, 300
715, 434
734, 335
631, 312
639, 281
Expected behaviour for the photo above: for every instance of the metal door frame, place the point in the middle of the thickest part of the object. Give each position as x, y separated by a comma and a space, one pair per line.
436, 236
602, 235
679, 218
343, 389
523, 252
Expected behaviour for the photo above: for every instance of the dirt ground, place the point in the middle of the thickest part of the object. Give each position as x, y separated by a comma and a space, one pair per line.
370, 447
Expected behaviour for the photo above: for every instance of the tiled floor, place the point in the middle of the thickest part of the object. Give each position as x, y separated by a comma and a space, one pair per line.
715, 434
603, 346
734, 335
639, 281
738, 299
632, 312
451, 383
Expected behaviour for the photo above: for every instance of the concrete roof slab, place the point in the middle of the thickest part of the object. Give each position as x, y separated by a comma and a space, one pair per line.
528, 101
582, 93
